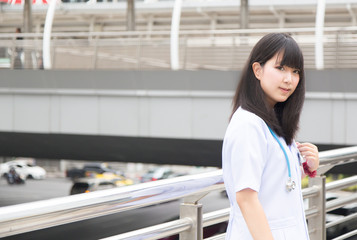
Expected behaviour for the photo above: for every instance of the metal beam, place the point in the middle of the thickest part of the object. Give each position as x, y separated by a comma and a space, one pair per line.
279, 15
27, 16
244, 14
130, 15
352, 14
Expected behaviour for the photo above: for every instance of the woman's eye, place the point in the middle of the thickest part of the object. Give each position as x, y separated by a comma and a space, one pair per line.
280, 68
297, 71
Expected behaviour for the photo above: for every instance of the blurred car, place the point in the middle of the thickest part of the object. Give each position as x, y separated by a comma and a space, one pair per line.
89, 170
157, 174
24, 168
99, 182
118, 180
85, 185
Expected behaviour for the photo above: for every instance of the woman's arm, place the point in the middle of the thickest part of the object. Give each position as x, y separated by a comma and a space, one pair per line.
254, 214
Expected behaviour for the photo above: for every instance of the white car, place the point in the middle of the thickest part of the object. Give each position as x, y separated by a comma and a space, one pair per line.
24, 168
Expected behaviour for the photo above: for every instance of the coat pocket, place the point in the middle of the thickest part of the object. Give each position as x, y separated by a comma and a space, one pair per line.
285, 229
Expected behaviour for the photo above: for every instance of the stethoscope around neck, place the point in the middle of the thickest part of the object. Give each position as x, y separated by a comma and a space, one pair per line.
290, 184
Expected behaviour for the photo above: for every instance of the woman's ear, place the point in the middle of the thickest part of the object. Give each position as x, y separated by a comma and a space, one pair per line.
257, 69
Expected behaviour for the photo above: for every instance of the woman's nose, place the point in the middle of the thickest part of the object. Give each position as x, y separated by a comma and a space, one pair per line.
288, 77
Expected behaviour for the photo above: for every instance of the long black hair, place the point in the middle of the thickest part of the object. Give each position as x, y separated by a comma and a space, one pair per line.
284, 118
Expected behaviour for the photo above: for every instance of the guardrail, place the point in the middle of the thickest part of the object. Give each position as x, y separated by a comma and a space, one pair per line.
27, 217
214, 50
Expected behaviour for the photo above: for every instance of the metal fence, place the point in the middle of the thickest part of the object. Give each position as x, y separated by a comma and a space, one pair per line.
214, 50
38, 215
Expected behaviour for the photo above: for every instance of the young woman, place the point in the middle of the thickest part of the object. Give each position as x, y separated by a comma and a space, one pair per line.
262, 164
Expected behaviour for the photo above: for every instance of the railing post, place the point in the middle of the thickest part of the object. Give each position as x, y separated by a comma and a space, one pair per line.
13, 53
139, 53
337, 50
95, 59
317, 224
185, 53
53, 53
194, 212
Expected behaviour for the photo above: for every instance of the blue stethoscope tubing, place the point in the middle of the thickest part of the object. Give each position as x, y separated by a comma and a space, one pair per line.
282, 148
290, 184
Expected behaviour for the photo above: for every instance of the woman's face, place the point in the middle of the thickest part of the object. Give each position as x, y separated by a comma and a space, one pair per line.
278, 82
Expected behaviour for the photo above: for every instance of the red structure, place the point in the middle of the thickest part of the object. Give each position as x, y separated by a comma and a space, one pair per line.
21, 1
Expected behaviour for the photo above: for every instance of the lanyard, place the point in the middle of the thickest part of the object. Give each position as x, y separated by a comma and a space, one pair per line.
290, 185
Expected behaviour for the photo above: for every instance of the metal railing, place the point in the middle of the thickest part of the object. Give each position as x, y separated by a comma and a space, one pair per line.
214, 50
27, 217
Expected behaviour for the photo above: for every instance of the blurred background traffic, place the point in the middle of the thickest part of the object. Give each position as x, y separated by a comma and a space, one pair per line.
149, 123
91, 176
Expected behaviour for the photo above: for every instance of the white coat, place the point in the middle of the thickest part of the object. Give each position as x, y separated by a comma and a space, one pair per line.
252, 158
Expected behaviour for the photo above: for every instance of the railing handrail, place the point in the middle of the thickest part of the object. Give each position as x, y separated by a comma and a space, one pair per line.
182, 32
142, 51
164, 230
336, 156
336, 185
58, 211
159, 231
41, 214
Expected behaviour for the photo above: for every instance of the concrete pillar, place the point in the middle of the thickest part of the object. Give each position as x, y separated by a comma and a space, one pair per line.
244, 14
27, 16
27, 28
130, 15
174, 36
319, 34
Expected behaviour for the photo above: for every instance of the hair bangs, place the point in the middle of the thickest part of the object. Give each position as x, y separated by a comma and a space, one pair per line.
292, 55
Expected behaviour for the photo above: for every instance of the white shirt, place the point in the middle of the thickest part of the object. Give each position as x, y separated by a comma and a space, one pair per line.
253, 159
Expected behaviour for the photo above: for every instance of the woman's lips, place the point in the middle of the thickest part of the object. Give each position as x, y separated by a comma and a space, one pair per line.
285, 90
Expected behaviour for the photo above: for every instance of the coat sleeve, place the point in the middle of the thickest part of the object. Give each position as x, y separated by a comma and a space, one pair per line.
246, 150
